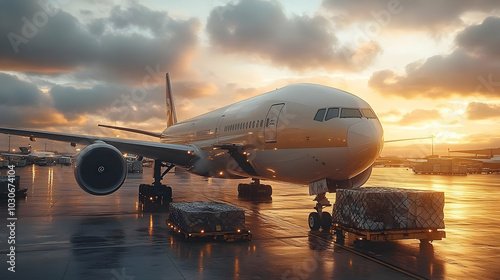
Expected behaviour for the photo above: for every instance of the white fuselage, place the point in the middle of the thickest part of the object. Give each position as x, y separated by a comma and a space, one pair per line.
279, 139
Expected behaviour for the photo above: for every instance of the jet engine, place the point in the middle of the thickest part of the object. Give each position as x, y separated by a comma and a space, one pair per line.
100, 169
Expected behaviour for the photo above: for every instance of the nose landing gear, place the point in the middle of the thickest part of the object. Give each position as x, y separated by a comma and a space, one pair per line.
320, 219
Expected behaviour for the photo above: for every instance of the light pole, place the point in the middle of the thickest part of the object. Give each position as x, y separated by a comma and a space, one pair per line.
432, 144
9, 143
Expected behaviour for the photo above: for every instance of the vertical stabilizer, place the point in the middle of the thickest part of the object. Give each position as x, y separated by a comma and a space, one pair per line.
171, 116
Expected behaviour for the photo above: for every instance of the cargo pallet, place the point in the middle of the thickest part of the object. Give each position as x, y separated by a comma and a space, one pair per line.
353, 234
229, 236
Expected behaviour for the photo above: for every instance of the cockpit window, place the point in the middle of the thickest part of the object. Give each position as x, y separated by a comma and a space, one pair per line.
350, 113
320, 115
332, 113
368, 114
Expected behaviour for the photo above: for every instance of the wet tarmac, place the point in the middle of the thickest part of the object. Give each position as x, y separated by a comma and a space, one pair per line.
64, 233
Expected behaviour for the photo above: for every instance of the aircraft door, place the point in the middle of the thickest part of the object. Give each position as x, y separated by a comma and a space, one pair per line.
218, 128
271, 123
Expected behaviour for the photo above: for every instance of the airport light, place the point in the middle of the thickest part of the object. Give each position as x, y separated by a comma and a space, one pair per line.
202, 231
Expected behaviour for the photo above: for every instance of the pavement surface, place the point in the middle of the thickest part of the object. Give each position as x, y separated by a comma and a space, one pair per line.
64, 233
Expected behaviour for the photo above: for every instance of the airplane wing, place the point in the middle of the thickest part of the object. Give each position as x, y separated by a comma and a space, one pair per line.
488, 152
13, 155
177, 154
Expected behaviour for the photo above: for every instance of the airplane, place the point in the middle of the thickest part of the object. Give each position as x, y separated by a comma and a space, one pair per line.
32, 154
492, 162
304, 134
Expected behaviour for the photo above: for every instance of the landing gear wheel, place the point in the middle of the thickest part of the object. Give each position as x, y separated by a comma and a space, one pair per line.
326, 219
268, 190
243, 189
255, 189
314, 221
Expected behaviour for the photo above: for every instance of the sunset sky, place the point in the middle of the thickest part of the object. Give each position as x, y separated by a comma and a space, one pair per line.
426, 67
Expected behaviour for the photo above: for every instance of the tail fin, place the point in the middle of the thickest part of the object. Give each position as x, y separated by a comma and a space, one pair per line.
171, 116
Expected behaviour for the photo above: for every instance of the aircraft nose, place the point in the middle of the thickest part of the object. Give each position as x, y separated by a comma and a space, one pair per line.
365, 139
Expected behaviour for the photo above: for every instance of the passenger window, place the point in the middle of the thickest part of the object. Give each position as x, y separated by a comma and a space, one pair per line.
368, 114
320, 115
350, 113
261, 123
332, 113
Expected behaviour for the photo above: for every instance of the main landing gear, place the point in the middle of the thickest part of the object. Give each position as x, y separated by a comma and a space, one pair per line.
156, 195
255, 189
320, 219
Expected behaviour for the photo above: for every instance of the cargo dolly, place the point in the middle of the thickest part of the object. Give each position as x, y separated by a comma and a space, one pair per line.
229, 236
351, 235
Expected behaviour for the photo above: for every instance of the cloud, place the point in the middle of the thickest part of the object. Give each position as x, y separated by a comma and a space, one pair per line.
482, 111
40, 40
15, 92
23, 104
261, 28
482, 39
435, 16
72, 101
111, 102
35, 117
480, 141
419, 116
390, 113
193, 90
141, 17
116, 48
469, 70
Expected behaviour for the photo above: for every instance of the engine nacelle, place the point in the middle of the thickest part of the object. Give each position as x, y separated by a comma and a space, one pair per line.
100, 169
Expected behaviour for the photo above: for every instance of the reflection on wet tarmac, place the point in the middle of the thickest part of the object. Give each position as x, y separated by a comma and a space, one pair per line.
97, 243
65, 233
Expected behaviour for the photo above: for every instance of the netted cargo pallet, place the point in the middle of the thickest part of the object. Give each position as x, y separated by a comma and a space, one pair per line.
203, 219
379, 209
